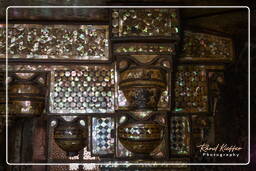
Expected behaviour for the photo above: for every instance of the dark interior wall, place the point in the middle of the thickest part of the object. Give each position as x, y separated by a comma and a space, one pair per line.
2, 149
253, 91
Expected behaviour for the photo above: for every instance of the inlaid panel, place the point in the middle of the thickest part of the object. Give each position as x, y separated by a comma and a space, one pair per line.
102, 138
144, 48
87, 90
76, 42
202, 46
144, 22
191, 92
179, 135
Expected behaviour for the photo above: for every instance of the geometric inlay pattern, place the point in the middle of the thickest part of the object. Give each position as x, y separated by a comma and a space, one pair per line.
102, 139
191, 92
180, 135
87, 90
34, 41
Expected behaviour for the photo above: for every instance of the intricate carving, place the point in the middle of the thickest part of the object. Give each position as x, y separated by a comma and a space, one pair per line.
26, 93
71, 136
142, 97
139, 137
142, 81
143, 85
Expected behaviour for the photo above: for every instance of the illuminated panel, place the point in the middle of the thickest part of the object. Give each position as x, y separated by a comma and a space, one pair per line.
71, 42
87, 90
144, 22
191, 92
102, 140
